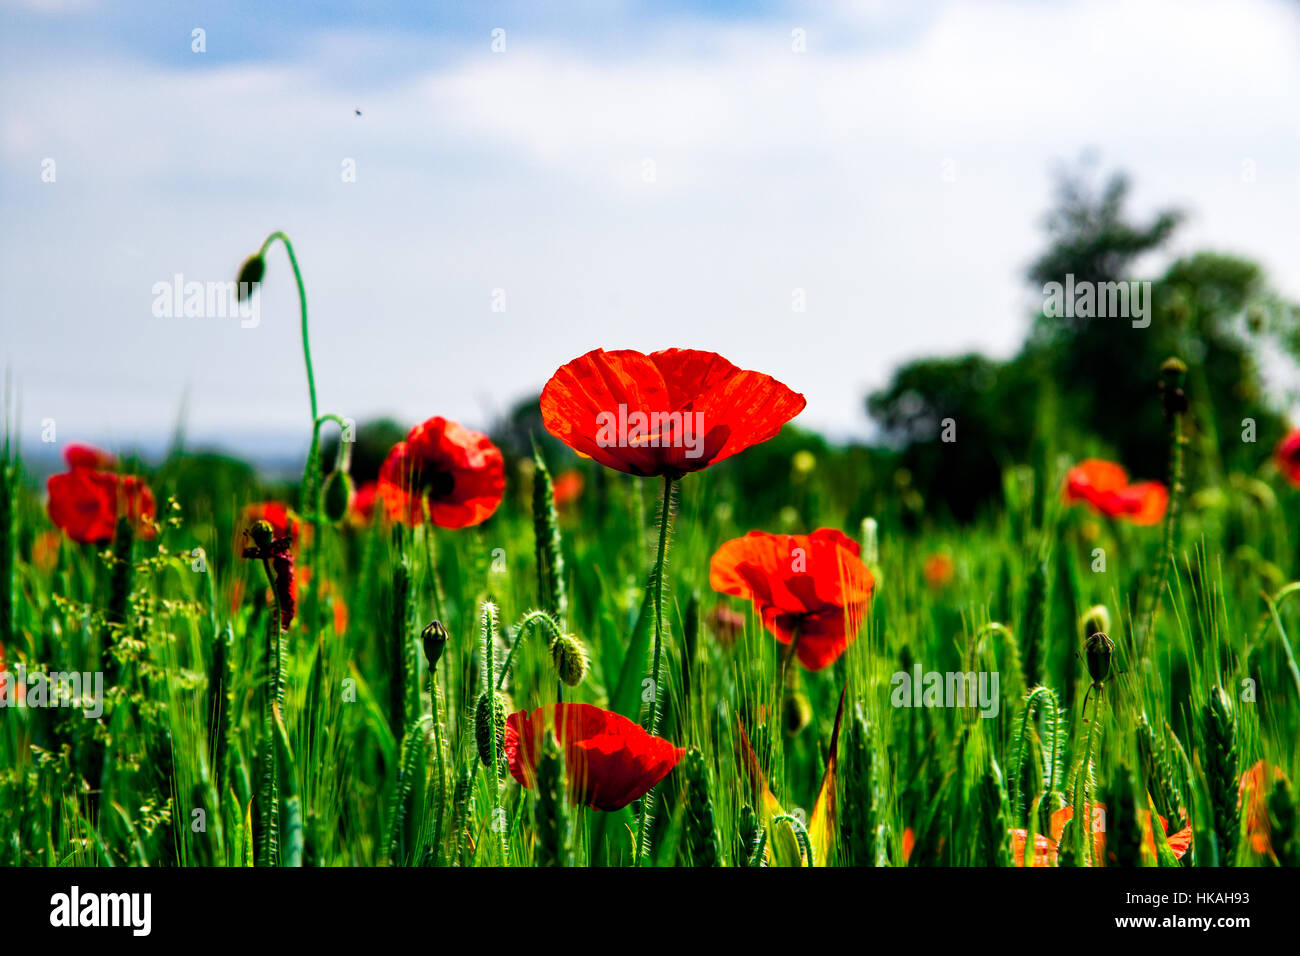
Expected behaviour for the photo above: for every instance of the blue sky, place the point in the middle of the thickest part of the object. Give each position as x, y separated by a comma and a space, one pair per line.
896, 171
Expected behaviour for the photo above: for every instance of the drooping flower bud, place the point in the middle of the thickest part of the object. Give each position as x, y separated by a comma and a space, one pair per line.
796, 712
486, 716
250, 277
435, 639
337, 496
570, 659
1099, 649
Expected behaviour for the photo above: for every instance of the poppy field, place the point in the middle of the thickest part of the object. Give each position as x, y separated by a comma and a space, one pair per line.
663, 634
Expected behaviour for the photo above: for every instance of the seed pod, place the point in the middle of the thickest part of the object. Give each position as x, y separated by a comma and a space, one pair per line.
336, 496
435, 639
486, 715
570, 659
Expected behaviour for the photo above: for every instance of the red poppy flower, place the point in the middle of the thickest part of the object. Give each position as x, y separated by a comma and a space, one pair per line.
1287, 456
609, 760
87, 456
1252, 796
813, 585
1104, 485
939, 571
86, 503
1046, 849
567, 487
666, 413
362, 511
283, 522
459, 474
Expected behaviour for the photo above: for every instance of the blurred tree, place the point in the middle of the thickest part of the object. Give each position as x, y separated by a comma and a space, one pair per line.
1087, 384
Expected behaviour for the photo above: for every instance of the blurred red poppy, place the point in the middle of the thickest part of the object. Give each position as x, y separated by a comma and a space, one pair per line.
1287, 456
939, 571
813, 585
727, 624
567, 487
666, 413
1104, 485
283, 522
1252, 797
86, 503
286, 527
1046, 849
87, 456
457, 473
362, 511
609, 760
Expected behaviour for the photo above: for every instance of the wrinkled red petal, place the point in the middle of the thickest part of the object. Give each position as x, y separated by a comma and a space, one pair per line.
813, 585
698, 409
609, 760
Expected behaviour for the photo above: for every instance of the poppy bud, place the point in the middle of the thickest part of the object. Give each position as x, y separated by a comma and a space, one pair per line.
486, 715
1095, 620
435, 639
1098, 650
796, 712
337, 496
250, 277
262, 532
570, 659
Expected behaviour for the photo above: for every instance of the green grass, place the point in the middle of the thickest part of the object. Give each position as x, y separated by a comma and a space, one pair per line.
363, 769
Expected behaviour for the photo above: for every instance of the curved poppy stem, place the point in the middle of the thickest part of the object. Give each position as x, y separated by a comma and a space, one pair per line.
308, 479
645, 836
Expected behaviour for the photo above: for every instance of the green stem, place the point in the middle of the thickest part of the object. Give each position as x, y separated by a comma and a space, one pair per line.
648, 805
308, 487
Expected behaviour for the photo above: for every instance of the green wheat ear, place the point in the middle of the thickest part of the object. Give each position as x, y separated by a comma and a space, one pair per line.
400, 657
701, 833
413, 762
1158, 772
1123, 832
994, 814
1033, 633
1284, 823
750, 834
1221, 770
461, 804
550, 810
551, 592
861, 796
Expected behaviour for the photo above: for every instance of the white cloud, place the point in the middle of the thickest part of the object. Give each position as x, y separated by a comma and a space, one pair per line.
525, 171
